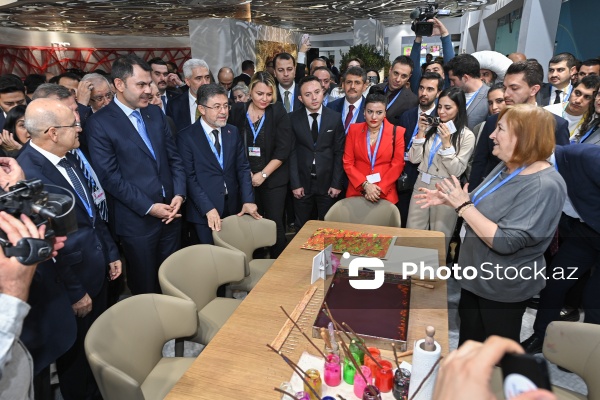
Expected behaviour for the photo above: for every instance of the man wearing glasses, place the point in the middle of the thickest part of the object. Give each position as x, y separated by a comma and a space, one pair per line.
216, 166
100, 93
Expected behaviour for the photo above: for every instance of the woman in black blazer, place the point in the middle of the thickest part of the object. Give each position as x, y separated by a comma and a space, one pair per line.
267, 135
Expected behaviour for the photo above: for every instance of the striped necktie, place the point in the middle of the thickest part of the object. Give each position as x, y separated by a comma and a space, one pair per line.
92, 182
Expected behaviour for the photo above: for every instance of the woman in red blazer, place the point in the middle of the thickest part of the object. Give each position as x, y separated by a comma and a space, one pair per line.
372, 161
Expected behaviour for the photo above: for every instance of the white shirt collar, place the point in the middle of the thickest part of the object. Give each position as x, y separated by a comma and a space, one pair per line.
207, 127
291, 90
53, 158
126, 109
320, 112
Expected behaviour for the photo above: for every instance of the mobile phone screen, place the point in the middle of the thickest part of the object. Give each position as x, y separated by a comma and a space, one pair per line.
523, 373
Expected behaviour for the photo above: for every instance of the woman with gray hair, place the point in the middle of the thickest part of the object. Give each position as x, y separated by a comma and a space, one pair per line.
241, 93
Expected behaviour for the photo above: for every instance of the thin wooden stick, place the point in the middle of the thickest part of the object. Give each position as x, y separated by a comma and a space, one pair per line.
350, 329
296, 368
426, 377
405, 353
395, 355
357, 367
335, 323
367, 352
302, 332
293, 396
424, 285
340, 397
340, 344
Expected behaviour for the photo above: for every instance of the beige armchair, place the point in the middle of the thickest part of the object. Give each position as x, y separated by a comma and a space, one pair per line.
357, 210
247, 234
195, 273
124, 346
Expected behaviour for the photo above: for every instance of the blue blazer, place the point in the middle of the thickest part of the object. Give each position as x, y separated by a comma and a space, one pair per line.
338, 105
206, 179
178, 108
127, 170
82, 264
483, 159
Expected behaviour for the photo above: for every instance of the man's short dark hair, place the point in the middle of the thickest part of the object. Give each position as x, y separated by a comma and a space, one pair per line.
568, 57
433, 76
157, 61
323, 68
51, 89
69, 75
122, 68
283, 56
32, 81
533, 73
306, 79
463, 64
8, 84
404, 60
591, 62
590, 82
247, 64
208, 91
356, 71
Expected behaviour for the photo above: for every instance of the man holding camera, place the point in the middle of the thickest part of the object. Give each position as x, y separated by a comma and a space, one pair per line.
83, 264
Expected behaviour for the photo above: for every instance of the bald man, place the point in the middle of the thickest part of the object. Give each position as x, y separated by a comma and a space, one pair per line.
516, 57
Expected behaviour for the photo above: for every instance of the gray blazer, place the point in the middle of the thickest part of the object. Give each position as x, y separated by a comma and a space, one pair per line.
477, 111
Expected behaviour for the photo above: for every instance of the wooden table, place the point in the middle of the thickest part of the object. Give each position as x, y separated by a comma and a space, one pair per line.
238, 365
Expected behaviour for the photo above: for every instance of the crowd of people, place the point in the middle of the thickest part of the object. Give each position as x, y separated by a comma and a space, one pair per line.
499, 161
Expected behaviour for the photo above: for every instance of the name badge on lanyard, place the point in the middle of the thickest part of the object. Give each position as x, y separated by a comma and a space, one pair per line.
254, 151
374, 178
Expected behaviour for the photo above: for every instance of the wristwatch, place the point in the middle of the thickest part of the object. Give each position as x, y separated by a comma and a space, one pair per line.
264, 174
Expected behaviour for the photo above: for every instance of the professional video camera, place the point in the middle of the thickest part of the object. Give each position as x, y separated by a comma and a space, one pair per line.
55, 210
421, 15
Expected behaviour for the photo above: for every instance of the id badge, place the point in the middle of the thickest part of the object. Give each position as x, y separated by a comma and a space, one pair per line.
374, 178
99, 196
254, 151
463, 232
425, 178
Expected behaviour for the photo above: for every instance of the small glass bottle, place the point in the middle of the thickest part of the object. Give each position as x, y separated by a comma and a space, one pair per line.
375, 353
384, 377
302, 396
360, 383
371, 393
288, 388
333, 371
401, 383
356, 349
349, 370
314, 378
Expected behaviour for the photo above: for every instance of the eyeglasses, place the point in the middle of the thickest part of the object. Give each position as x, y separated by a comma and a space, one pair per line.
224, 107
107, 96
75, 125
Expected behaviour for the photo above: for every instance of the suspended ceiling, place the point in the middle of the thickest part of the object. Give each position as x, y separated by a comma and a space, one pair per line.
170, 17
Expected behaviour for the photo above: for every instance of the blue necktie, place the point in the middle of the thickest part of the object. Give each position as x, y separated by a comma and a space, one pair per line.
164, 101
74, 180
141, 128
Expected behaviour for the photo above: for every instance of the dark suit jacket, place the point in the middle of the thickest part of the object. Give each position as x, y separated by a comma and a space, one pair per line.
579, 166
127, 170
409, 121
338, 106
543, 96
327, 153
178, 108
406, 100
242, 78
278, 138
82, 264
295, 95
483, 159
206, 178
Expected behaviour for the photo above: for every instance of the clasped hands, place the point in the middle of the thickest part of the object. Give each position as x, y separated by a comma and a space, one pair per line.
448, 192
167, 212
372, 192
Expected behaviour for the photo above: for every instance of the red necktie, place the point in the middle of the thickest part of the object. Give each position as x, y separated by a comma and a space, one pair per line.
349, 116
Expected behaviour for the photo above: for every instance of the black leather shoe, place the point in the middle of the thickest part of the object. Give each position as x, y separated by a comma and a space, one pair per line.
569, 314
533, 345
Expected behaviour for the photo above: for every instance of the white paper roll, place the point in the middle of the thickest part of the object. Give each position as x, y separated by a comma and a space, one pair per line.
422, 361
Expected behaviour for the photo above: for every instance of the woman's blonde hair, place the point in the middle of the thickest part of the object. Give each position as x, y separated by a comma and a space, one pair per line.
267, 79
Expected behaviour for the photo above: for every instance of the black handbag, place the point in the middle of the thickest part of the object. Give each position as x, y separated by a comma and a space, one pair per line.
402, 184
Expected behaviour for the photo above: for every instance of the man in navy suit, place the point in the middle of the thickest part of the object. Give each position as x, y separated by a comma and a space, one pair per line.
286, 73
12, 94
317, 148
160, 73
400, 98
522, 82
216, 166
430, 87
352, 105
183, 108
89, 252
136, 160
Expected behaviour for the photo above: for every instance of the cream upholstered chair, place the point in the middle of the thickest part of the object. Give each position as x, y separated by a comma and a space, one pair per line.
247, 234
195, 273
124, 346
357, 210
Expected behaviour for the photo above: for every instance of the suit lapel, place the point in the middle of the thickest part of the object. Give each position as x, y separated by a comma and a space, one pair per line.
153, 134
228, 143
204, 146
130, 130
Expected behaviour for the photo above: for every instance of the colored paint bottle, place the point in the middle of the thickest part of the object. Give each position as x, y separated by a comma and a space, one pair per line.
375, 353
288, 388
349, 371
314, 378
302, 396
332, 371
401, 384
371, 393
384, 377
357, 350
359, 383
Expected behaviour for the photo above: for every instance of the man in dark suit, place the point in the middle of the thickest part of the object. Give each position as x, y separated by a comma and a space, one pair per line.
317, 148
135, 157
400, 98
464, 72
287, 75
246, 75
326, 78
216, 166
579, 165
183, 108
522, 82
558, 89
90, 252
430, 87
160, 73
352, 105
12, 94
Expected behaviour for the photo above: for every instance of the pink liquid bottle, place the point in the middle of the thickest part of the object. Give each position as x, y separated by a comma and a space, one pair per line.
360, 383
333, 370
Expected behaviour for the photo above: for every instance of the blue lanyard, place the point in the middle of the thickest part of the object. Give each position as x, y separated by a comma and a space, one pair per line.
325, 100
87, 170
214, 150
434, 150
472, 98
255, 132
498, 186
373, 157
568, 95
86, 204
587, 134
415, 131
393, 100
353, 120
